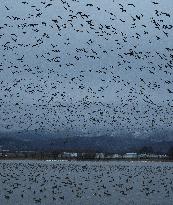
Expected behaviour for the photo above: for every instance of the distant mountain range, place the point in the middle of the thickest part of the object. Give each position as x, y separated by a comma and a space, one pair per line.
59, 141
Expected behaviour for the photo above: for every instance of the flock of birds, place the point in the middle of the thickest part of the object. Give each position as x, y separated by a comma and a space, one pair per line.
80, 65
33, 182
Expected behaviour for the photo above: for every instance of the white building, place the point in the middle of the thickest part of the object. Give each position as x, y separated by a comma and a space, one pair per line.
130, 155
155, 156
69, 155
116, 156
162, 156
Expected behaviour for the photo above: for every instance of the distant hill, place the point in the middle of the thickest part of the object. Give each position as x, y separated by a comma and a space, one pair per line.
110, 144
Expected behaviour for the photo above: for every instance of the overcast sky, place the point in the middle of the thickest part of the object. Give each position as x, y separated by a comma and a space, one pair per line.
86, 65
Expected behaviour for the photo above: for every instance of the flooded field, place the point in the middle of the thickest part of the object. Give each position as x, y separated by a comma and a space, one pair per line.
85, 183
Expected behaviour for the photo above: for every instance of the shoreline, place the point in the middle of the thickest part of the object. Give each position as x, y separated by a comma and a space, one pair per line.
90, 160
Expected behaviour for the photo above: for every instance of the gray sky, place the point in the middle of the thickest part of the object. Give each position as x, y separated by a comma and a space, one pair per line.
86, 65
